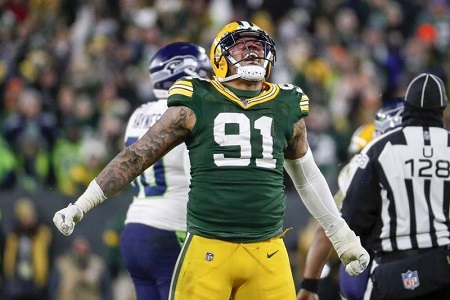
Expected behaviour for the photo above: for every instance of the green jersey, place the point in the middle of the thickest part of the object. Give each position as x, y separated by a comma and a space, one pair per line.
237, 152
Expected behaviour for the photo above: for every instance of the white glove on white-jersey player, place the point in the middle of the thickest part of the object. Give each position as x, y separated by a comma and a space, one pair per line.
349, 249
66, 218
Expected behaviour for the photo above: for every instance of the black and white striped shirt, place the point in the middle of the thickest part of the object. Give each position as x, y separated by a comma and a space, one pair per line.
399, 195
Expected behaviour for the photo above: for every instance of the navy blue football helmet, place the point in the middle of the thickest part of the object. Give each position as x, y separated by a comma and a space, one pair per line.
389, 115
174, 61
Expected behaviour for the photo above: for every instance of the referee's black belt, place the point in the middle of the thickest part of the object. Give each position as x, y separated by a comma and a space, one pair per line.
400, 254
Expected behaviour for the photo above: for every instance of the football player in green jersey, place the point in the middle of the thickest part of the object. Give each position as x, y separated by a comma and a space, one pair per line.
241, 131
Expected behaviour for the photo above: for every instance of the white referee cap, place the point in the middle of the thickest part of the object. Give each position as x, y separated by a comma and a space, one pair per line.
426, 91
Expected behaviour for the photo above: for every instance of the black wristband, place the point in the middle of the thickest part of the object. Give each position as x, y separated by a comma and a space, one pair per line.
310, 284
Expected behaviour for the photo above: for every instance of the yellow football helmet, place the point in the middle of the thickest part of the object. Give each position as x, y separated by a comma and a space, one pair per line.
221, 59
360, 138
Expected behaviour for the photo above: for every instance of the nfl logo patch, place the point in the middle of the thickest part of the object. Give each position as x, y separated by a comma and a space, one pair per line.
209, 256
410, 280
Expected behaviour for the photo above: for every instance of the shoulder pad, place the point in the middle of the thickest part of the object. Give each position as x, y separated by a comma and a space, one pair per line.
185, 85
182, 86
297, 92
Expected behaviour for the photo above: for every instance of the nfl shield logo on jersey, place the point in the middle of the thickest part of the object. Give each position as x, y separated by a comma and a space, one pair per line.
410, 280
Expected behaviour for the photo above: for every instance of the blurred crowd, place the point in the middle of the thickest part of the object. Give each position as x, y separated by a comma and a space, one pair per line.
32, 269
72, 71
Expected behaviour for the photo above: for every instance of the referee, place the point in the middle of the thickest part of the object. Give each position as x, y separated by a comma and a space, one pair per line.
399, 197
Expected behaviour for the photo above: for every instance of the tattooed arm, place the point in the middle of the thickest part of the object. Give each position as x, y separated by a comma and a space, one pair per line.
298, 145
170, 130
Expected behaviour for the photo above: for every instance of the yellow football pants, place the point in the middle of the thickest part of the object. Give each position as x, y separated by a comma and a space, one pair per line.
210, 269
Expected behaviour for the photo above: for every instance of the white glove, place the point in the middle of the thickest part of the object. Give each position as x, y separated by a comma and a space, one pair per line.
349, 249
66, 218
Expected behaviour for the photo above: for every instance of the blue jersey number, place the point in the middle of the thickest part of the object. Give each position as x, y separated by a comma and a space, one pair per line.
152, 182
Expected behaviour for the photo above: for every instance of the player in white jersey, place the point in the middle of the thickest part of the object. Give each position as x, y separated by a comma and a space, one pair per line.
156, 219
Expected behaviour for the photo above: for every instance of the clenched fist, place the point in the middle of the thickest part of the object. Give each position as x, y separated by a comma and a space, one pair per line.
66, 218
349, 249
